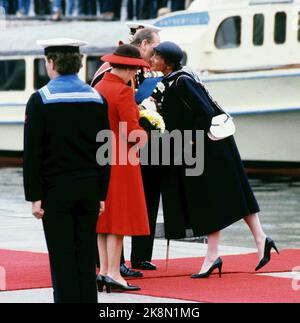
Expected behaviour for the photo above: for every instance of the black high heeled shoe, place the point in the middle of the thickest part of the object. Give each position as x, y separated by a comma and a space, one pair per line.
269, 244
100, 283
111, 284
216, 265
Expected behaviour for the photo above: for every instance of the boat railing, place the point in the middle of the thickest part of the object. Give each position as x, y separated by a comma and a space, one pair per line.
252, 69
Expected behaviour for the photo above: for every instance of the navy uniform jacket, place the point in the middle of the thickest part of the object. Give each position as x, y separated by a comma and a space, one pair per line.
62, 122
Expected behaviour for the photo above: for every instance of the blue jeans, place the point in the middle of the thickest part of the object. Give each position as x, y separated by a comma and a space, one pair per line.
4, 4
71, 4
56, 5
24, 6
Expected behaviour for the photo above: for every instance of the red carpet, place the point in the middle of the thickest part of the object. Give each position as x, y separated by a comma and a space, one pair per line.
285, 262
231, 288
27, 270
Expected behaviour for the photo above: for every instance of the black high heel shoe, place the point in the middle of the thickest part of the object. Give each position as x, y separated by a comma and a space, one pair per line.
217, 264
100, 283
269, 244
112, 284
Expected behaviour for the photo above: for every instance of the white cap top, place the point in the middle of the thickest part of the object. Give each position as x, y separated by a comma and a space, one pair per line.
61, 42
140, 25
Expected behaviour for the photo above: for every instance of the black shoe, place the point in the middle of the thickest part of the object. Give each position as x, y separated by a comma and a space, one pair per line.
145, 265
217, 264
100, 283
269, 244
127, 272
112, 284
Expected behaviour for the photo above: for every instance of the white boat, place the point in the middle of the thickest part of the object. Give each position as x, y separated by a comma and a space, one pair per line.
247, 52
22, 70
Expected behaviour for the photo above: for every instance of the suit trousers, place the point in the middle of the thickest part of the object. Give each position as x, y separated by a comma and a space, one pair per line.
142, 246
71, 212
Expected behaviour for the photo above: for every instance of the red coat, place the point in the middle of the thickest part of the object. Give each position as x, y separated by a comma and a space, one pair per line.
125, 208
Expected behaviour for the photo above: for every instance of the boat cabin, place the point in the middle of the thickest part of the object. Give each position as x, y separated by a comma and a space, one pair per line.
22, 66
236, 35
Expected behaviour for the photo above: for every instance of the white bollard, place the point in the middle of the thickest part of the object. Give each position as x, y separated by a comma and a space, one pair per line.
296, 279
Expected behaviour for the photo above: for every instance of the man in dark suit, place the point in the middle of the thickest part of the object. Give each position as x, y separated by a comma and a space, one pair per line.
61, 176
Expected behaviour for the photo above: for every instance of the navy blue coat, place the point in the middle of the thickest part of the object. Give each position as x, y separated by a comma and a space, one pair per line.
222, 194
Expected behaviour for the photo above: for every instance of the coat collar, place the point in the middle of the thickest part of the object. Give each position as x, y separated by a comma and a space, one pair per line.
68, 89
108, 76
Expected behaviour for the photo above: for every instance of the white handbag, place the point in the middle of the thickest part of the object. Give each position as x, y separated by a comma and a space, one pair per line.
222, 126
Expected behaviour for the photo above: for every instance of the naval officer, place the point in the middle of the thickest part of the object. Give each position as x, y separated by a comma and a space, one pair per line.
61, 176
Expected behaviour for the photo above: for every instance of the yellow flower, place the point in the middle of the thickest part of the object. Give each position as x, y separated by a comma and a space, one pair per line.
154, 118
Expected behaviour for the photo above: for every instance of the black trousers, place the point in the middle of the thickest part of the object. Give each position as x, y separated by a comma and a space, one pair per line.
71, 212
142, 246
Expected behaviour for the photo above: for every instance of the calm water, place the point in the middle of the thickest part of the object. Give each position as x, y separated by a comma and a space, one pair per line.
279, 200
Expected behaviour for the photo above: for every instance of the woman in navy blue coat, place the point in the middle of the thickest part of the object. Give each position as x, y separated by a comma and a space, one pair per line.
220, 196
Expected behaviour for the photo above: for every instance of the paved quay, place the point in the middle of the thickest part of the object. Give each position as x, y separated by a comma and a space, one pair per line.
25, 233
19, 230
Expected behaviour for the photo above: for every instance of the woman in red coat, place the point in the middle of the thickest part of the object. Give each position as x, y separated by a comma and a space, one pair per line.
125, 211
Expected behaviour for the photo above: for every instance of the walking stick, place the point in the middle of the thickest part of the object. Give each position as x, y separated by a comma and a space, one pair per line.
168, 254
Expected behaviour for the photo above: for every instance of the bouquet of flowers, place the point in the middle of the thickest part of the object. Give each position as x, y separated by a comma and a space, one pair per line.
152, 120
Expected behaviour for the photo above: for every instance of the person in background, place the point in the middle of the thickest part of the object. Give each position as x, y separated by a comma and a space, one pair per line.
10, 6
71, 7
4, 5
42, 7
117, 6
162, 3
177, 5
134, 9
106, 9
126, 212
149, 9
87, 8
56, 10
23, 7
62, 179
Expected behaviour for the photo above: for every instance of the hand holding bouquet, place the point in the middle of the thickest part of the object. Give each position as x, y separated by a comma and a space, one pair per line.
151, 120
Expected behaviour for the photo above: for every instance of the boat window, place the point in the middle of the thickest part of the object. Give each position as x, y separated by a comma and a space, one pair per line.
258, 29
40, 73
12, 75
92, 65
280, 28
229, 33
